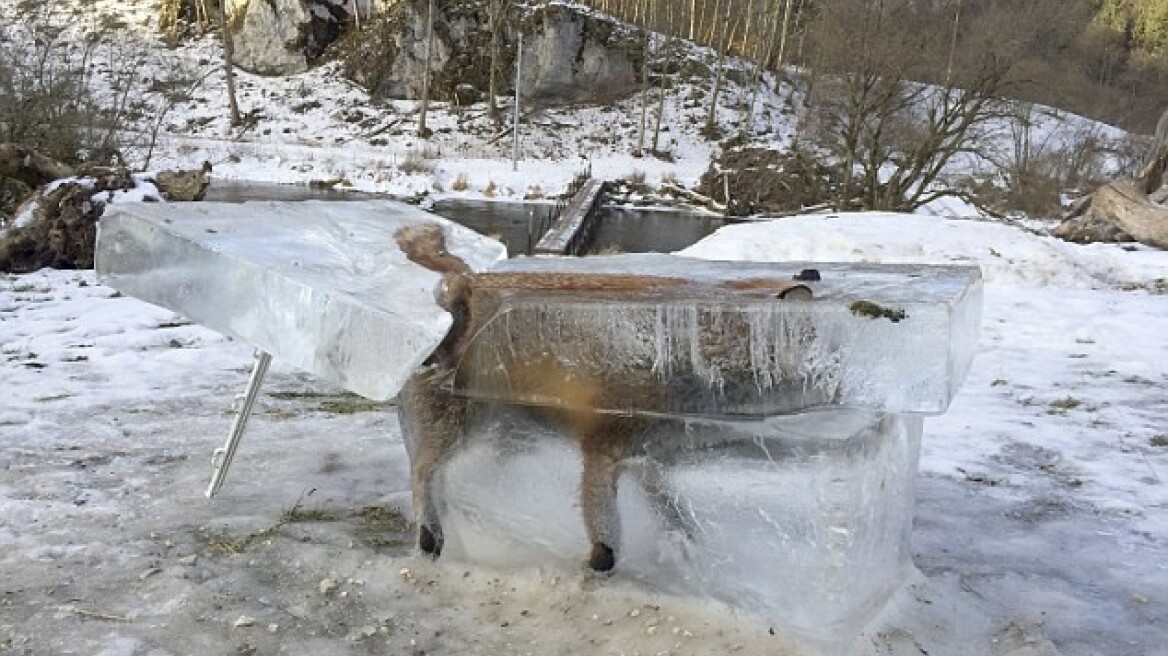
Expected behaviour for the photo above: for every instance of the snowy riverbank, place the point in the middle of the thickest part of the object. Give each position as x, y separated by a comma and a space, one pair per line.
1041, 528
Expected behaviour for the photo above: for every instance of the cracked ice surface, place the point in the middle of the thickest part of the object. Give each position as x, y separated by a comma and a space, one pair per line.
321, 286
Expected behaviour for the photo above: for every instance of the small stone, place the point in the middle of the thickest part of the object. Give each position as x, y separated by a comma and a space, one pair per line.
651, 630
272, 628
244, 621
328, 586
636, 612
188, 560
1139, 598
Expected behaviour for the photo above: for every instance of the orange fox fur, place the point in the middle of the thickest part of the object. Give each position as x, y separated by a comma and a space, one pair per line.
438, 417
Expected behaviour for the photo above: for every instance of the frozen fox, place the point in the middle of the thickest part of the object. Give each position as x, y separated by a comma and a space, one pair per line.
438, 417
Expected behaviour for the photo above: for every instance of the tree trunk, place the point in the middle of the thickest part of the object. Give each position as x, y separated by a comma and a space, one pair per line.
644, 83
423, 131
1122, 203
762, 59
493, 85
728, 32
783, 35
228, 66
1152, 174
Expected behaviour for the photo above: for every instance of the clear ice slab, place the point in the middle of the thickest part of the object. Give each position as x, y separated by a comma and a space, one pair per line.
717, 341
775, 464
319, 285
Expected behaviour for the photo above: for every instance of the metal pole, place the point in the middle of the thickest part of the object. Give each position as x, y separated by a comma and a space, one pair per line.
221, 458
515, 124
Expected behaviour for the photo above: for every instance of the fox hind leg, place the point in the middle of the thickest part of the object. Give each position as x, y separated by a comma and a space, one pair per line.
604, 443
437, 420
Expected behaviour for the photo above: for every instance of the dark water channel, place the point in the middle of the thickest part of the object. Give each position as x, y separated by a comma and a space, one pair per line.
515, 224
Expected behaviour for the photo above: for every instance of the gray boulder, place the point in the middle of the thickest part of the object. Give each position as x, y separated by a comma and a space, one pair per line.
284, 37
569, 55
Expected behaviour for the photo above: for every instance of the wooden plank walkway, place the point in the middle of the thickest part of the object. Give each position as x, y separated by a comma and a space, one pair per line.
572, 232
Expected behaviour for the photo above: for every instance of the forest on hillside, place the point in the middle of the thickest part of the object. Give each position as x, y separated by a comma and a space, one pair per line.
889, 100
1105, 59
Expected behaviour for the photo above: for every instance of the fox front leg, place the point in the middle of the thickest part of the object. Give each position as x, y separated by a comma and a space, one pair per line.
604, 442
598, 489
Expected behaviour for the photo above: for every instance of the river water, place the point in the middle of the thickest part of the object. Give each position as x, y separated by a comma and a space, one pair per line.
517, 225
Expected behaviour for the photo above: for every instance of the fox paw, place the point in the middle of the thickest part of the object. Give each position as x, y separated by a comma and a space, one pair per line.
430, 541
603, 558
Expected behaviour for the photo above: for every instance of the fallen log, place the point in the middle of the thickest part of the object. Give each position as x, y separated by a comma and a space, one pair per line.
705, 201
1125, 205
29, 166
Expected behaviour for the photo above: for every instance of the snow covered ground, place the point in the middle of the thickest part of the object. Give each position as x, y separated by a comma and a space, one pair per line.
1041, 524
317, 127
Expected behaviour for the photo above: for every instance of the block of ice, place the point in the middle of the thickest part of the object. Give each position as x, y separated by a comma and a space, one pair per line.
319, 285
896, 338
766, 443
803, 518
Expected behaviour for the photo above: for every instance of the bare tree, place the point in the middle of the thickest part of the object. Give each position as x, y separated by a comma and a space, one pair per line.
496, 10
762, 58
649, 6
891, 133
424, 131
228, 66
667, 48
728, 30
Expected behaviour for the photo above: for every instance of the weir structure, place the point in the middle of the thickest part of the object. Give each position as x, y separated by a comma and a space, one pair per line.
572, 233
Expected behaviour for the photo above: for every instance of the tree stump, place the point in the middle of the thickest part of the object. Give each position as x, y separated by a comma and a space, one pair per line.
1128, 207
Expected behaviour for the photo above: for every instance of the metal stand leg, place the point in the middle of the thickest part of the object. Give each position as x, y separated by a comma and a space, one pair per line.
221, 459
